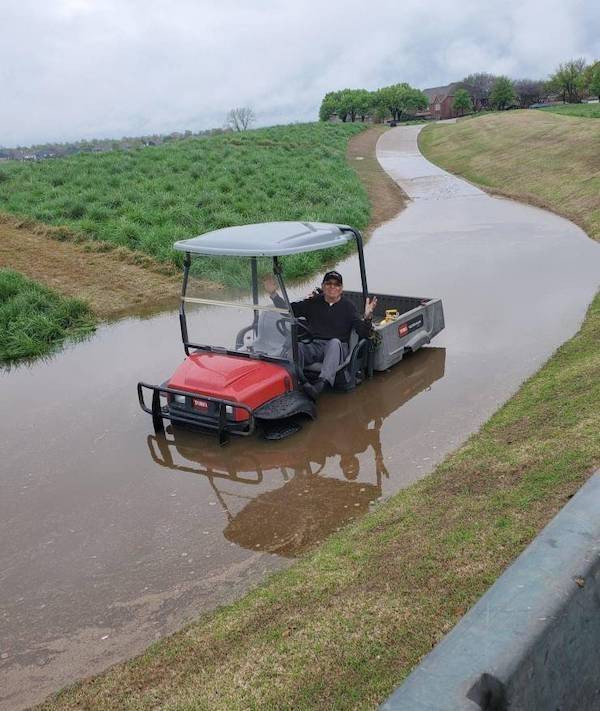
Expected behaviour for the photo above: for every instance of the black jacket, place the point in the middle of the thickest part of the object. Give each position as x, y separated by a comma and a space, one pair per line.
329, 320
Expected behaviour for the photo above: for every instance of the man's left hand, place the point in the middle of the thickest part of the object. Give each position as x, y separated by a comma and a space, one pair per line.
370, 305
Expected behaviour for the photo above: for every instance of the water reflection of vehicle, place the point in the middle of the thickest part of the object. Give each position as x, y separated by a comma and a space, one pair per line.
321, 488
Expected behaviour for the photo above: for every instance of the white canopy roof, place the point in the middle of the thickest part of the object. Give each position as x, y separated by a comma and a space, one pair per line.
267, 239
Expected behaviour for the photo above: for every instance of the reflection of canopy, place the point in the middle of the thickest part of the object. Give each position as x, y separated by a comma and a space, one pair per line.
291, 519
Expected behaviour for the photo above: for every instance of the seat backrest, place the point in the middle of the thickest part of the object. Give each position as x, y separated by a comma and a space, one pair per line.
269, 339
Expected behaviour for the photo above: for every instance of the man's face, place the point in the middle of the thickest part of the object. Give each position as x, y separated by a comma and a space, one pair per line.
332, 289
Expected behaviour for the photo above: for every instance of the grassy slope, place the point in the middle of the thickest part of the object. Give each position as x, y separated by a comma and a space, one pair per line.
148, 198
348, 622
533, 156
586, 110
34, 320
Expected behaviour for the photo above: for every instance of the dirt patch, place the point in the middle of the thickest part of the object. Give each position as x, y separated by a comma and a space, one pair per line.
386, 197
108, 281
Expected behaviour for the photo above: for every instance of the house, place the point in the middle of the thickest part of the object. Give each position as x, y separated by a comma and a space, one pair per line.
441, 100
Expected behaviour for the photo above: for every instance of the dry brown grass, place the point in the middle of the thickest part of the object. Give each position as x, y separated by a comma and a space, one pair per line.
112, 281
546, 159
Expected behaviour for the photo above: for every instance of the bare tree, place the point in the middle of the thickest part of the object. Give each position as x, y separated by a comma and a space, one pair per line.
529, 91
240, 119
567, 80
479, 87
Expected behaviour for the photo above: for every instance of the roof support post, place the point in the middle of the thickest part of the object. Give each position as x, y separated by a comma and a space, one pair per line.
254, 270
298, 374
182, 317
361, 262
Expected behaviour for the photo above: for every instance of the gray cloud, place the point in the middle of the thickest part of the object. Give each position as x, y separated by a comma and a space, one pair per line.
100, 68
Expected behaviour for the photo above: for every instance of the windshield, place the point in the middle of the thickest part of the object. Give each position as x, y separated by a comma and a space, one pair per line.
243, 319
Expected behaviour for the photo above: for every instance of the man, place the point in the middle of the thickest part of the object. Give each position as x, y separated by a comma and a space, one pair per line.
330, 318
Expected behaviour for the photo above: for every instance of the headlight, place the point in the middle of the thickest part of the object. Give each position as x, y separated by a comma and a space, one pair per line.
229, 409
179, 399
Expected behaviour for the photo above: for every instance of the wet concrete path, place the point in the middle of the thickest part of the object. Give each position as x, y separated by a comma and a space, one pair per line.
112, 537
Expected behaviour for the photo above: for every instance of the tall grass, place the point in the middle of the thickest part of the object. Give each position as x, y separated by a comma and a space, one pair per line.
148, 198
34, 320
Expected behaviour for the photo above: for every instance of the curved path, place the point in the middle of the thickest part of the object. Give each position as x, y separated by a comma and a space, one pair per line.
111, 537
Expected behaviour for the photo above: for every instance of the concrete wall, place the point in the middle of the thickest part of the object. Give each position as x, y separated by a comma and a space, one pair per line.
532, 642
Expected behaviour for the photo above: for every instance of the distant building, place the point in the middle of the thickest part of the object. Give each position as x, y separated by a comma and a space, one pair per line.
441, 101
545, 103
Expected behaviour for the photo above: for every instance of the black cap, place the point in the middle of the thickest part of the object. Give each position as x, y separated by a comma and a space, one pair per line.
334, 276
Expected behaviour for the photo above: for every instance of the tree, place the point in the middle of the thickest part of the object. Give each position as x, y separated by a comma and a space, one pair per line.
594, 85
462, 101
414, 100
240, 119
400, 99
329, 105
353, 103
590, 79
479, 87
364, 103
567, 80
502, 95
529, 91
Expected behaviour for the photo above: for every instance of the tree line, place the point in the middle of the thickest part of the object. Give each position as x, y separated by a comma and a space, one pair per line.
397, 101
571, 82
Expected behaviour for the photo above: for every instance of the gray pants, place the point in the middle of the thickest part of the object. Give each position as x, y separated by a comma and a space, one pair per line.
329, 352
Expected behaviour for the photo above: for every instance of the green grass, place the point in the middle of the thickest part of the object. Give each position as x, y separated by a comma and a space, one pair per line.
34, 320
148, 198
585, 110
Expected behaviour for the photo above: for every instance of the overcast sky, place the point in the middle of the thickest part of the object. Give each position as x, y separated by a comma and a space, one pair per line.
73, 69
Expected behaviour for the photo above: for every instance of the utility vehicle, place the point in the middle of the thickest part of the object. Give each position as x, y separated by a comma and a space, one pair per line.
252, 377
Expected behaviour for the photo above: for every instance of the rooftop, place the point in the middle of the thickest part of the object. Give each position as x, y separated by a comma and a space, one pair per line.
267, 239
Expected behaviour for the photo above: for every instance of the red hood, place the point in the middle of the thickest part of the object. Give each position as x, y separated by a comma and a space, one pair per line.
252, 382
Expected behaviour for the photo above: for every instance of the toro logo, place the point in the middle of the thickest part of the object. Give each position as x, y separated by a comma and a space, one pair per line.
200, 404
409, 326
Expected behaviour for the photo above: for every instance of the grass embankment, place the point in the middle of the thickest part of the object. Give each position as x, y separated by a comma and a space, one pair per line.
585, 110
532, 156
344, 626
146, 199
34, 320
95, 226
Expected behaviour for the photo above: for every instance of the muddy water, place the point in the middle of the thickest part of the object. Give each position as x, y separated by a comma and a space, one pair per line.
111, 536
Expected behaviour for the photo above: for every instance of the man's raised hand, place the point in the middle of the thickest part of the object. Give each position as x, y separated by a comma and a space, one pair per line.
270, 284
370, 305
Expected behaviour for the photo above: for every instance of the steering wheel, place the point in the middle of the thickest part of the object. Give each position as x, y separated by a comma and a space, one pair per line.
284, 327
305, 335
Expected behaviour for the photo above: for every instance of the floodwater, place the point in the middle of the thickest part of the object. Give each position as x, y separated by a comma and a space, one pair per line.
112, 537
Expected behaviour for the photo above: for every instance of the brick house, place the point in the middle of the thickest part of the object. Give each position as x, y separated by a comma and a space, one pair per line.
441, 100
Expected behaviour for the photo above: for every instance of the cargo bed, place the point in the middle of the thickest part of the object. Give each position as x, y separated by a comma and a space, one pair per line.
419, 320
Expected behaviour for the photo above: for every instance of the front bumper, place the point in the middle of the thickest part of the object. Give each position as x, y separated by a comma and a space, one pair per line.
215, 420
